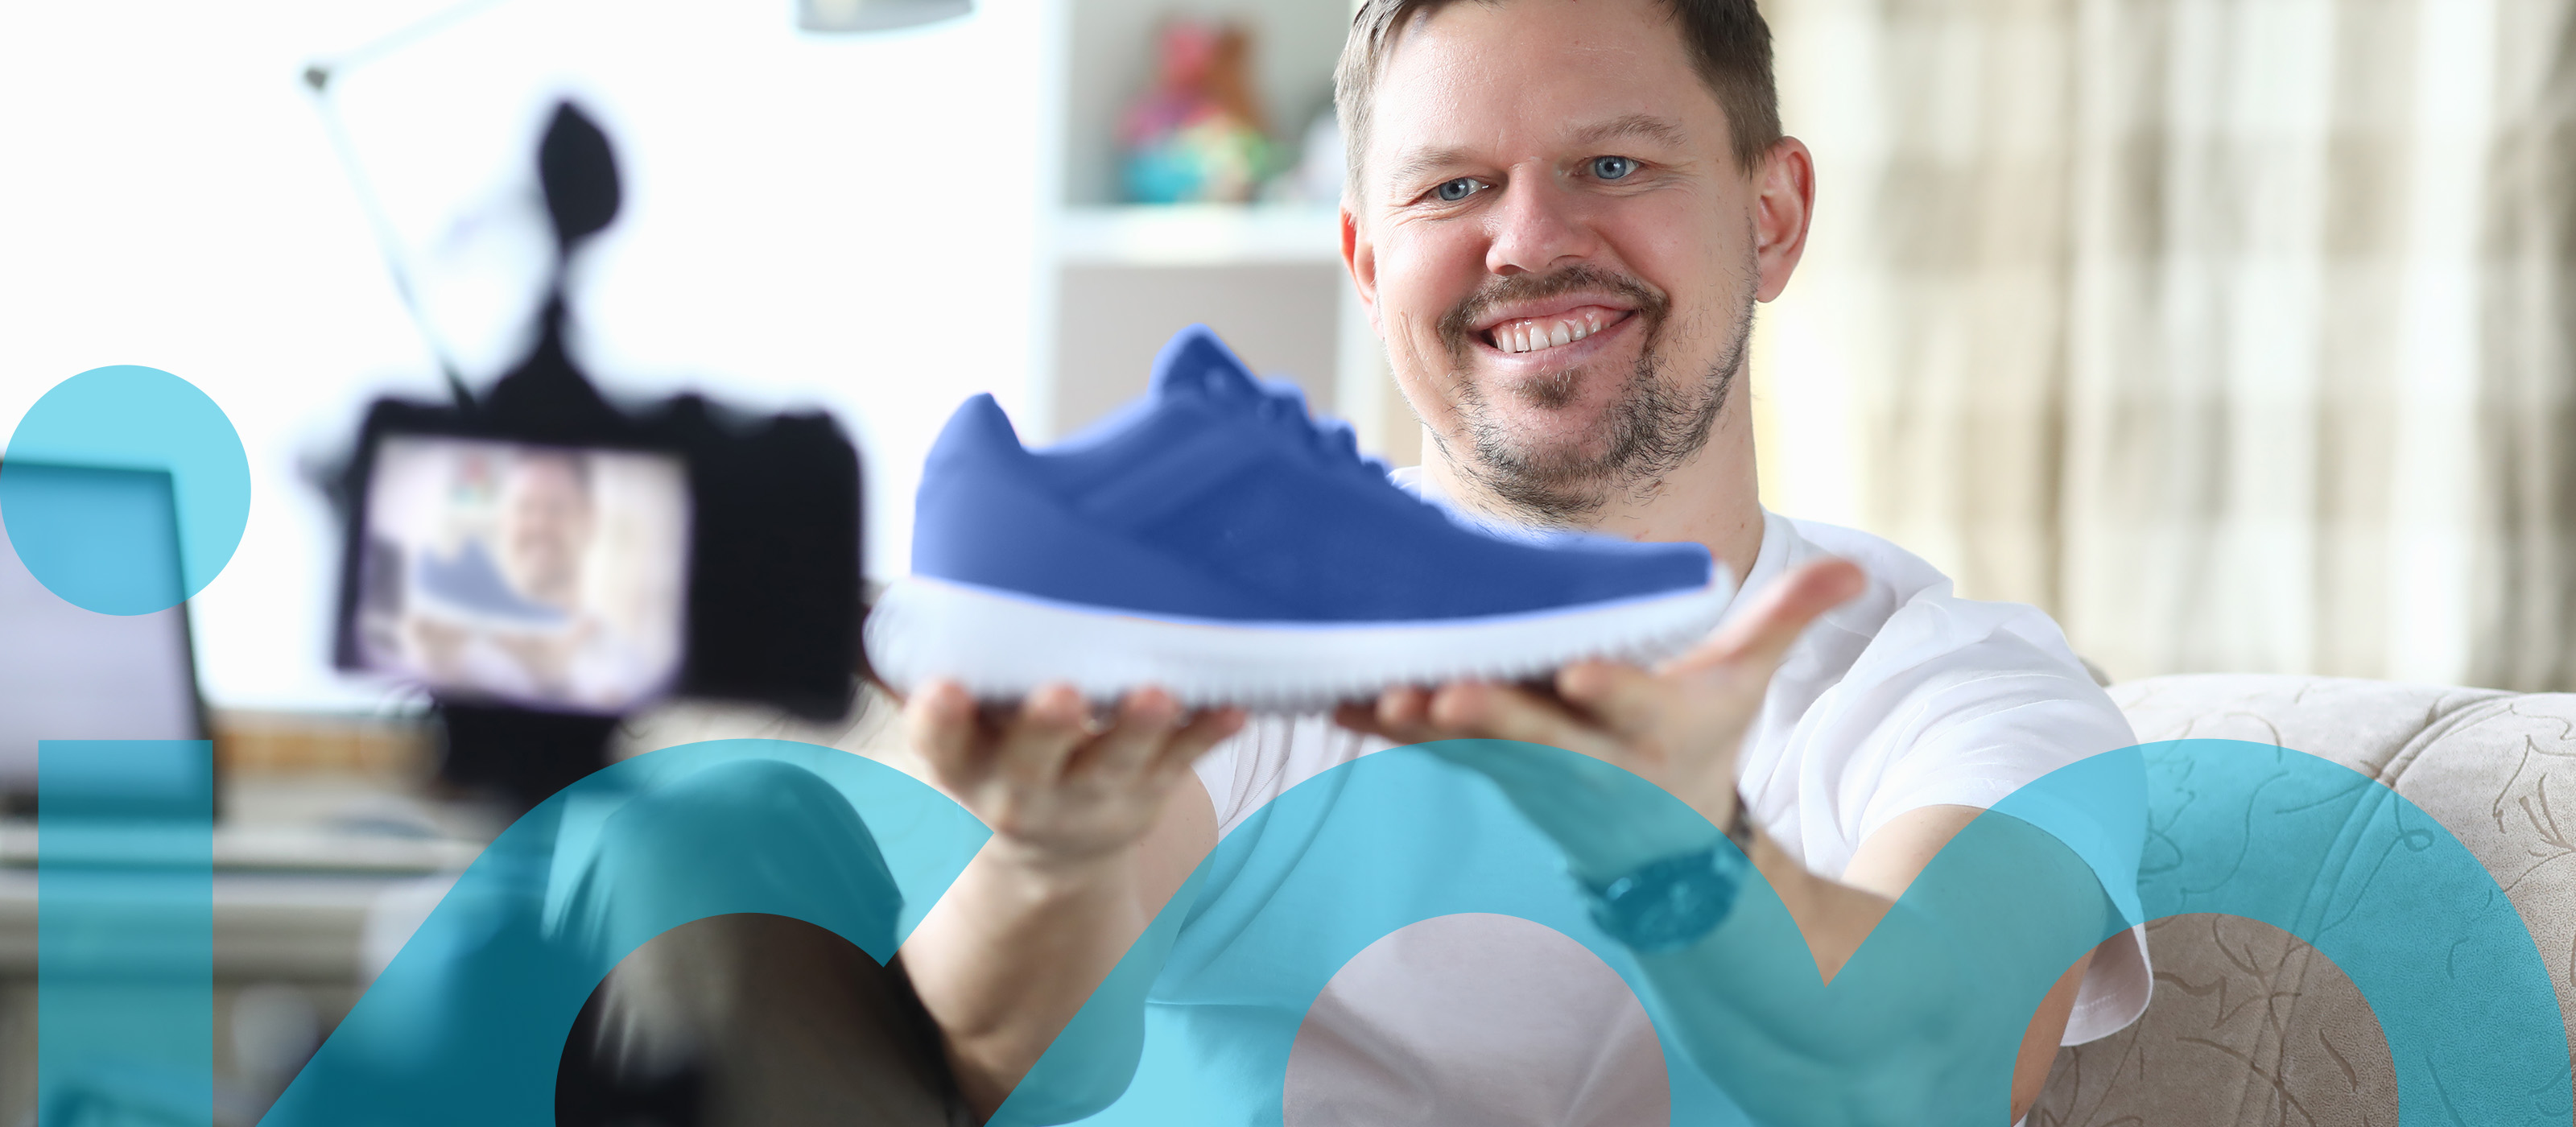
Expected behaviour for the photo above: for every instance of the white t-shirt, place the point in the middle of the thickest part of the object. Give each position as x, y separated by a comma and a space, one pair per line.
1905, 697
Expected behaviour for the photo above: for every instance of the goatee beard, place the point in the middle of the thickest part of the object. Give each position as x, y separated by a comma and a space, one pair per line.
1654, 426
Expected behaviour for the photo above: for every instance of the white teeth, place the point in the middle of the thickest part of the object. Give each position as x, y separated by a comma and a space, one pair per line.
1531, 336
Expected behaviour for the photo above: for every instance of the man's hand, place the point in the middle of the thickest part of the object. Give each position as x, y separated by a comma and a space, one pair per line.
1081, 812
1677, 726
441, 646
1680, 727
1058, 787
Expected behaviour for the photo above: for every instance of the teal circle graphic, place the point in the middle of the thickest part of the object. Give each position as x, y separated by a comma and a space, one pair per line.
124, 490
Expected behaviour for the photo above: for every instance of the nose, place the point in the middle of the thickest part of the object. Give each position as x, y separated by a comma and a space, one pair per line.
1536, 228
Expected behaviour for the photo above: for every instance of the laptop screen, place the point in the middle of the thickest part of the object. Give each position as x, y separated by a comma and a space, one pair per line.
72, 674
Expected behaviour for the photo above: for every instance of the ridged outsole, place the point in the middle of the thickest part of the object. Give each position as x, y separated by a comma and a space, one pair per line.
1001, 646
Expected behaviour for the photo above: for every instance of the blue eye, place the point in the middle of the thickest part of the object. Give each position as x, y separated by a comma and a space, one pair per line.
1455, 190
1613, 168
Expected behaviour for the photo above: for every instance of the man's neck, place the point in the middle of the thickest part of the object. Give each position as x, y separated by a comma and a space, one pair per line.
1712, 500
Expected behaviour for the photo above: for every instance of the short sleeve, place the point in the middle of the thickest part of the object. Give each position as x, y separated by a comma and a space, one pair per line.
1957, 702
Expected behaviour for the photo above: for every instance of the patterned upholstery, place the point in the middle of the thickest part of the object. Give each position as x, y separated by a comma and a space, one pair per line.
2250, 1026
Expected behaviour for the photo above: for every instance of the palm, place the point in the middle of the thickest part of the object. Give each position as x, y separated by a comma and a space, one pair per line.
1677, 727
1051, 779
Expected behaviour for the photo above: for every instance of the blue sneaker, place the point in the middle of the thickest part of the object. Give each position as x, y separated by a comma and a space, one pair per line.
471, 586
1212, 539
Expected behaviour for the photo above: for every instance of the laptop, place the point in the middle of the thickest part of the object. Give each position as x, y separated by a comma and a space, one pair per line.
72, 674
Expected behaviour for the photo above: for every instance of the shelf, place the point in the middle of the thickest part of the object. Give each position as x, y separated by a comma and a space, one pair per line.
1198, 235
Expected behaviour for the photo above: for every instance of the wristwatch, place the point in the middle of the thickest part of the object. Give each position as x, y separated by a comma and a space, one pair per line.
1668, 904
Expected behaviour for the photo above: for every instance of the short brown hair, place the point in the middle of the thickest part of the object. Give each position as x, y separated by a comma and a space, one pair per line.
1728, 41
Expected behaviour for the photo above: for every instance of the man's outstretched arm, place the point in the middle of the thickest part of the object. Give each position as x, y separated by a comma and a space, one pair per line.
1837, 916
1096, 822
1679, 727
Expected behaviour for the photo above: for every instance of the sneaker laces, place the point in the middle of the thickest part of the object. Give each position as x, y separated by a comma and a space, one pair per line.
1333, 441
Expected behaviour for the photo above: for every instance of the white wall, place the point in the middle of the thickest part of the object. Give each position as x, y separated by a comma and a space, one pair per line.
838, 222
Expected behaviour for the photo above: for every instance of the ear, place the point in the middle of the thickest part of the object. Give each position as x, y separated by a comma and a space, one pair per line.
1785, 201
1359, 256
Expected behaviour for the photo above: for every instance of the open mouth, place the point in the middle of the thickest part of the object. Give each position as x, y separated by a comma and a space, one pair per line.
1523, 335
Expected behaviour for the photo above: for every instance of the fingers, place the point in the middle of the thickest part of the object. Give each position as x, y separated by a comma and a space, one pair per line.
1757, 639
1401, 714
941, 718
1404, 713
1471, 710
1478, 710
1052, 734
1035, 742
1623, 698
1358, 716
1203, 731
1143, 720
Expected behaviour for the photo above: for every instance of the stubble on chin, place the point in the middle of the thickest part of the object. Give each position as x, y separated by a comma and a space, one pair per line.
1653, 426
1550, 392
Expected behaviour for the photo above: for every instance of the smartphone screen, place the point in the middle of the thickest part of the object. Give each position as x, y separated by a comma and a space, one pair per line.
552, 577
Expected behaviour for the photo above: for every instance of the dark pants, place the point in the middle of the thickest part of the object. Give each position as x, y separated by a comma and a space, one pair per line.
749, 1019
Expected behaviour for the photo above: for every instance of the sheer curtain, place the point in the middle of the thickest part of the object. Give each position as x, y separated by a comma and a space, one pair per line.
2526, 564
2188, 321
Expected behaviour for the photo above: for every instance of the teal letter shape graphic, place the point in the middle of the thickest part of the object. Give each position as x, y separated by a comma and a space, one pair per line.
2327, 854
125, 1003
2380, 887
1196, 1024
468, 1022
1403, 836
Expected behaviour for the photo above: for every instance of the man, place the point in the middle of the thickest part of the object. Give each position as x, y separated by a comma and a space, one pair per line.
527, 631
512, 625
548, 519
1559, 215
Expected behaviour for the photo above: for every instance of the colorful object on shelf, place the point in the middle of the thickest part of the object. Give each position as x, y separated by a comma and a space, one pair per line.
1196, 136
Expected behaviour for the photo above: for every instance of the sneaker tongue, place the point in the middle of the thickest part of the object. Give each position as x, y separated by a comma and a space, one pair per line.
1197, 364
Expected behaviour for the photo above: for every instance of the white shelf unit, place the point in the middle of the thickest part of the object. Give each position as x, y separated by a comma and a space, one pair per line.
1119, 279
1143, 235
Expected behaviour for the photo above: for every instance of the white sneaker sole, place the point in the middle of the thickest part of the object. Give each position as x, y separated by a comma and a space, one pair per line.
1001, 645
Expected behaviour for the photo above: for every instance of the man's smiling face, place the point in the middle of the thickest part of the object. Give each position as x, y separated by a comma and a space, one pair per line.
1561, 246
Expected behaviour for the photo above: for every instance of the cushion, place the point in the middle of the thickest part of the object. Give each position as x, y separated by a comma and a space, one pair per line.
2251, 1026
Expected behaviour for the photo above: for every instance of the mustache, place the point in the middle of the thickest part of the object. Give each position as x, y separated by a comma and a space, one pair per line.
1457, 327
